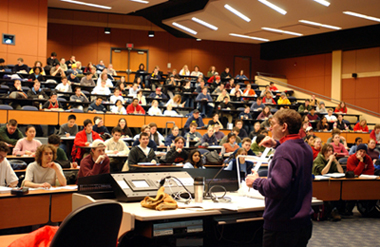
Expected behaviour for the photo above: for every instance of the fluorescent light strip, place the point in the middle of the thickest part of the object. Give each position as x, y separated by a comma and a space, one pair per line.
281, 31
247, 37
272, 6
184, 28
139, 1
320, 24
87, 4
323, 2
204, 23
244, 17
371, 18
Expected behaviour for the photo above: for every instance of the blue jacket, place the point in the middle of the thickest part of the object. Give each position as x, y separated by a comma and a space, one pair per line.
212, 141
202, 96
93, 106
169, 139
151, 144
191, 119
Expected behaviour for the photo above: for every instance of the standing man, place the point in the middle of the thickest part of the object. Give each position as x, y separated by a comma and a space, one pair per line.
10, 134
288, 187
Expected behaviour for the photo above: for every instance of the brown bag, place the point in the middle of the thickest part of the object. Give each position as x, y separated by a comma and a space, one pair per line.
162, 201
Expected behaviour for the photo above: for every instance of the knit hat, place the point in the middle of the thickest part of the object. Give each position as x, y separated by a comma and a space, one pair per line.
362, 147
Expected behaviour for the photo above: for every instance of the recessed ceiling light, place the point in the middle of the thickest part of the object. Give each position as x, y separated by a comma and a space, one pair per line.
371, 18
151, 34
139, 1
319, 24
272, 6
87, 4
281, 31
199, 39
204, 23
244, 17
184, 28
247, 37
107, 30
323, 2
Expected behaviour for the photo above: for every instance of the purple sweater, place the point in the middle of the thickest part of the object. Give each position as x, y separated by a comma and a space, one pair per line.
288, 188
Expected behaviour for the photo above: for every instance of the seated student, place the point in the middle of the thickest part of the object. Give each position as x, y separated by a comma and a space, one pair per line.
372, 152
302, 131
361, 126
245, 114
196, 118
265, 91
193, 135
118, 108
70, 128
219, 89
156, 136
265, 114
104, 78
237, 97
10, 134
177, 154
322, 125
158, 94
116, 146
116, 96
231, 144
101, 89
205, 104
169, 141
258, 105
52, 104
97, 106
44, 172
256, 149
227, 105
79, 97
8, 177
87, 80
83, 139
341, 108
61, 159
230, 84
305, 107
269, 99
208, 138
142, 152
20, 67
339, 148
232, 165
214, 120
242, 133
272, 87
375, 134
99, 126
176, 101
330, 117
326, 162
170, 112
96, 162
27, 145
312, 116
72, 77
321, 107
141, 97
154, 110
125, 131
218, 134
283, 100
226, 73
342, 139
246, 145
133, 90
36, 92
241, 76
340, 124
358, 141
222, 95
256, 130
64, 86
248, 91
316, 147
194, 160
151, 143
135, 108
236, 131
360, 162
235, 90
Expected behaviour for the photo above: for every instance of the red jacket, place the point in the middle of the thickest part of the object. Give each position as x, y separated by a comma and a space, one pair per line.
365, 167
342, 110
372, 135
315, 152
131, 109
80, 141
358, 127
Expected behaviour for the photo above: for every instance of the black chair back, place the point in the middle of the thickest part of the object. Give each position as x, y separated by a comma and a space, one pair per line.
95, 224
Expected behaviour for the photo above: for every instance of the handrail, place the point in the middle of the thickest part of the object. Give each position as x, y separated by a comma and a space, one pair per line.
262, 75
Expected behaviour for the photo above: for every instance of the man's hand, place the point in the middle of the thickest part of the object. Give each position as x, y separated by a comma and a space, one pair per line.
87, 144
179, 150
153, 162
46, 185
100, 159
359, 157
251, 178
268, 142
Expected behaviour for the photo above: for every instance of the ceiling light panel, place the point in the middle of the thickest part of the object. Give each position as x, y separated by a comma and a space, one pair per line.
212, 27
87, 4
281, 31
236, 12
272, 6
323, 2
184, 28
371, 18
248, 37
139, 1
320, 24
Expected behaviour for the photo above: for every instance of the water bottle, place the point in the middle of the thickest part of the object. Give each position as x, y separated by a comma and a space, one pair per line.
40, 106
188, 141
199, 183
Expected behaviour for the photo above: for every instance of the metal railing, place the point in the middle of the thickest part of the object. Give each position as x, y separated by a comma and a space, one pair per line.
265, 76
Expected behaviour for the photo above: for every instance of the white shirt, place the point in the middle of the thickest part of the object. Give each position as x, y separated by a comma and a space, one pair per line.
154, 111
115, 109
233, 91
7, 175
114, 98
195, 73
63, 88
171, 102
170, 113
330, 118
108, 83
182, 72
145, 150
120, 146
101, 90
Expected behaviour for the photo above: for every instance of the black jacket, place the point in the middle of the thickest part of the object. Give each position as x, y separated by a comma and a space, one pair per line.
136, 155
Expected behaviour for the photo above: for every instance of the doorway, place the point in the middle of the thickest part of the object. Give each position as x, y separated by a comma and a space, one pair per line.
242, 63
128, 60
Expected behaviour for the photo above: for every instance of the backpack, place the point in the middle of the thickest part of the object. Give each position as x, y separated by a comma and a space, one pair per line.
18, 164
213, 158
